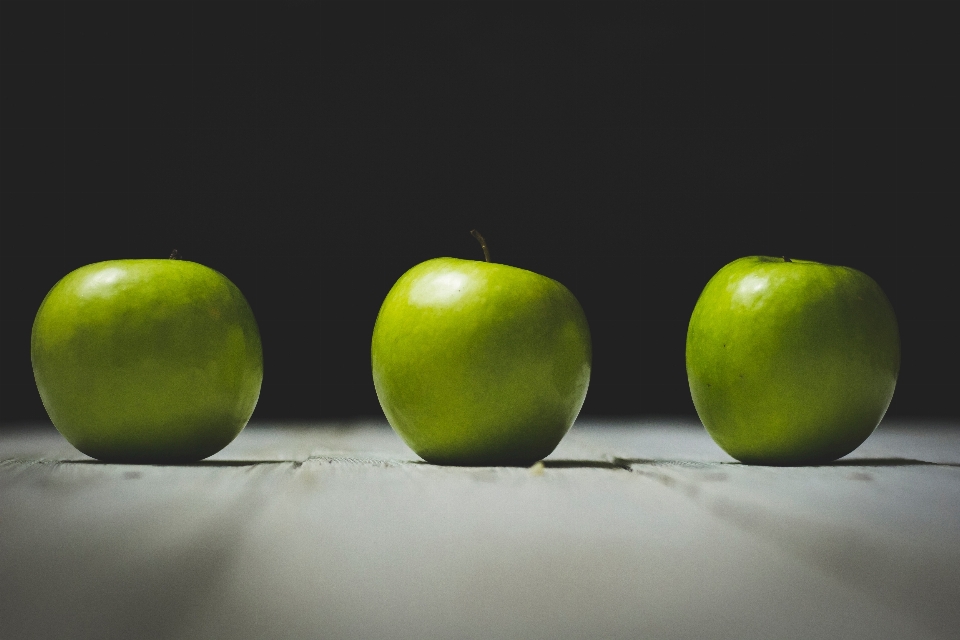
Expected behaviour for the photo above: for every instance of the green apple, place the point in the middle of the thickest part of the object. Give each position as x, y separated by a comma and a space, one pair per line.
791, 362
477, 363
147, 360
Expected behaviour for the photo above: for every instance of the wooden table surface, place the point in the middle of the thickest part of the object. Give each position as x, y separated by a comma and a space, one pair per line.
634, 529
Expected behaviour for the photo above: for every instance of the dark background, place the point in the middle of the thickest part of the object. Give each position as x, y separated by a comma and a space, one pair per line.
313, 152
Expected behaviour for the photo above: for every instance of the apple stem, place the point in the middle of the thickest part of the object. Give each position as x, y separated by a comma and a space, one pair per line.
174, 255
483, 244
786, 259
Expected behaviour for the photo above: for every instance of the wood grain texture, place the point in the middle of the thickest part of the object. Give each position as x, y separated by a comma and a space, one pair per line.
630, 529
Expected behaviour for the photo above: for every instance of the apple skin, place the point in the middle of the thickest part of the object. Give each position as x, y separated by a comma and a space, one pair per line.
478, 363
147, 361
791, 362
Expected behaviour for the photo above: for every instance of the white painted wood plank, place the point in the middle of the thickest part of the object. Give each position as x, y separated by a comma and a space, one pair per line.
637, 530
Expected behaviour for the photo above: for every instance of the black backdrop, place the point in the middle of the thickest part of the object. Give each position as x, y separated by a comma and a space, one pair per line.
312, 152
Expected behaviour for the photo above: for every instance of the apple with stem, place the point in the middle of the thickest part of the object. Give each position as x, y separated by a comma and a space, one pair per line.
478, 363
151, 361
791, 362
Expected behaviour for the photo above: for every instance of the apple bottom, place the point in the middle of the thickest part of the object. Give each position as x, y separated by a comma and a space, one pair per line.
181, 442
477, 408
134, 421
813, 432
173, 389
519, 444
